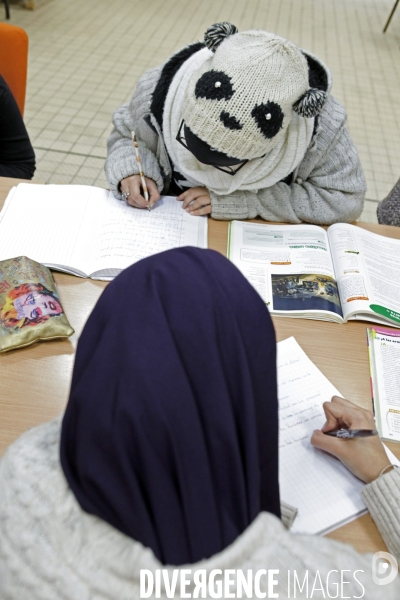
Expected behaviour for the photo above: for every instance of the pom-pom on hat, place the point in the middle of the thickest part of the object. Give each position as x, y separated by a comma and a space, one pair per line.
242, 99
217, 33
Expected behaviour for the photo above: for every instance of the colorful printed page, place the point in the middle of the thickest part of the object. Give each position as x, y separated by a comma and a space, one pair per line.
367, 267
326, 494
85, 231
341, 274
290, 266
384, 356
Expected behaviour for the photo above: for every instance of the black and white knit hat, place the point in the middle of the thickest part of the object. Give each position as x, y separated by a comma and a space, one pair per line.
241, 100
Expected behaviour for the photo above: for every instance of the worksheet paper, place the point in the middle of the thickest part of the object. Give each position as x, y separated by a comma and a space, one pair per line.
84, 230
326, 494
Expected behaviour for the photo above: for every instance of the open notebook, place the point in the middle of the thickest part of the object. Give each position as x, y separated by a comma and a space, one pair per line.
326, 494
85, 231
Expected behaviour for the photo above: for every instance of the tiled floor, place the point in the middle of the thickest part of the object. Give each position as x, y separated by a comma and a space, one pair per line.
85, 57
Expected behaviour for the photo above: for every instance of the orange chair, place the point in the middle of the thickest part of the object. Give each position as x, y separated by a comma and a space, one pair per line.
14, 61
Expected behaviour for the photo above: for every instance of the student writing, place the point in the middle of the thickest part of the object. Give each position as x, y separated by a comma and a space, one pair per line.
240, 126
168, 450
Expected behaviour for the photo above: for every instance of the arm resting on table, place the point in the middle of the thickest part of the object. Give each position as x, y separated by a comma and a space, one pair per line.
329, 186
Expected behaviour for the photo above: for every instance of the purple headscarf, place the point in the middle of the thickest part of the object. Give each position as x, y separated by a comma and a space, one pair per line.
171, 429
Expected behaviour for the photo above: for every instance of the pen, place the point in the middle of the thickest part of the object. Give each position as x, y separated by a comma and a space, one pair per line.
349, 434
135, 145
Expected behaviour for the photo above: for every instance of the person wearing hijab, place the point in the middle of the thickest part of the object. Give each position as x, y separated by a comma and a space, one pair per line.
239, 126
167, 454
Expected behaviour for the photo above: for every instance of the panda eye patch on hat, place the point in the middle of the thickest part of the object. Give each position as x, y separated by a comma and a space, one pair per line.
214, 85
269, 118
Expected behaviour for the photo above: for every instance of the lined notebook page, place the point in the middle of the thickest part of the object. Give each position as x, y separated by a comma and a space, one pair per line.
86, 228
127, 235
326, 494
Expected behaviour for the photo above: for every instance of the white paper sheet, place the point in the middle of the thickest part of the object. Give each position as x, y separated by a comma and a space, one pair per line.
87, 229
326, 494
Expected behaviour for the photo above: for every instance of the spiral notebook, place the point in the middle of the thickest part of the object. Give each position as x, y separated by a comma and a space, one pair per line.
325, 493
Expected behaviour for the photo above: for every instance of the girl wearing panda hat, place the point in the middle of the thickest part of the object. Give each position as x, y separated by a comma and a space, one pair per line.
240, 126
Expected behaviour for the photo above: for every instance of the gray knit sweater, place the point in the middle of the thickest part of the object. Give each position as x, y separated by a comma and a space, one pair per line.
327, 187
50, 549
388, 211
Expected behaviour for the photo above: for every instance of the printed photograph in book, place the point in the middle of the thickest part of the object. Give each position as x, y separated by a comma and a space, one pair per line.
305, 292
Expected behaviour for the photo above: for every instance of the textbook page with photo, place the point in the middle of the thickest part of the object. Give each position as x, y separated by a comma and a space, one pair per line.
85, 231
384, 360
326, 494
339, 274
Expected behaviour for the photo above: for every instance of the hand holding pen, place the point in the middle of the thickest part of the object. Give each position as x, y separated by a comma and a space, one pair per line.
350, 434
141, 175
132, 186
363, 454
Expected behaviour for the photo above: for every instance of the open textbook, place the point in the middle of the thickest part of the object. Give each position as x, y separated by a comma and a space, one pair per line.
384, 359
85, 231
341, 274
323, 490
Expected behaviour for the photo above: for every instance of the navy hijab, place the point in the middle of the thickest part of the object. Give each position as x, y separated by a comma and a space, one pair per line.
171, 429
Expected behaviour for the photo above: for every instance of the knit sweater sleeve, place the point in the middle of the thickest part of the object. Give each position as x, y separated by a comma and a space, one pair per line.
329, 186
382, 499
121, 159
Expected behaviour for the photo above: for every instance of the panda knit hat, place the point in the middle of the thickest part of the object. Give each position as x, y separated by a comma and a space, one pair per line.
241, 100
